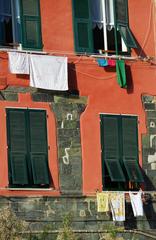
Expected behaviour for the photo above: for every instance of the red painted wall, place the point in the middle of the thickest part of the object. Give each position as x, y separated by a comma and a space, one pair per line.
99, 84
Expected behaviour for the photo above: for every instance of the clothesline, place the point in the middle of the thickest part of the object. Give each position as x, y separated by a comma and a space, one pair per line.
73, 54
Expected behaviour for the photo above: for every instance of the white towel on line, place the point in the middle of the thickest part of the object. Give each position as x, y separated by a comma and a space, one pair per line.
48, 72
18, 62
137, 204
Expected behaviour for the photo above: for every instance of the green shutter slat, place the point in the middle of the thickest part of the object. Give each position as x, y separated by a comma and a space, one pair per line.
38, 146
111, 138
130, 136
111, 146
31, 24
121, 10
17, 146
122, 23
121, 73
127, 36
19, 173
16, 126
38, 131
115, 170
82, 26
133, 170
130, 148
40, 169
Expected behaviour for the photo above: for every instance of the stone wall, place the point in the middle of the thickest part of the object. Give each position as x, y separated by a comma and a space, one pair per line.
86, 221
149, 143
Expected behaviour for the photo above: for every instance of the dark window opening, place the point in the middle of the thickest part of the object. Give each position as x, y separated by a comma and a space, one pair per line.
8, 36
111, 40
98, 39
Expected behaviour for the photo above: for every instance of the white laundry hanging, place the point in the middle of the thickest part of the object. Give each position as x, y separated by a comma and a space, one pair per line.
137, 204
48, 72
18, 62
117, 204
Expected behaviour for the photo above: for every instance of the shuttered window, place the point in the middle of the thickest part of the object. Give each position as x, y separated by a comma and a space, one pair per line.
20, 23
27, 148
119, 142
31, 24
82, 26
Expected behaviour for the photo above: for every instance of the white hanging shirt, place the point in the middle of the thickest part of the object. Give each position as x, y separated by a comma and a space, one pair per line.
48, 72
117, 204
137, 204
18, 62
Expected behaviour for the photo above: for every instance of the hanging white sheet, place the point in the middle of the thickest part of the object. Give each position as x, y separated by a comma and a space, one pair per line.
18, 62
137, 204
48, 72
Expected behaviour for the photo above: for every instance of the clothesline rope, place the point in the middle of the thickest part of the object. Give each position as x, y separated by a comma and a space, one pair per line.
80, 55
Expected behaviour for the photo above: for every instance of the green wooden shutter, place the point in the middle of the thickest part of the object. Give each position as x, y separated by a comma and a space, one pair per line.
31, 24
40, 169
38, 146
82, 26
130, 148
111, 147
17, 146
19, 169
121, 17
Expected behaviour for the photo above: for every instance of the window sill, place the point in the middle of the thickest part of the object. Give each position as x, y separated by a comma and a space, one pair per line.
30, 189
22, 50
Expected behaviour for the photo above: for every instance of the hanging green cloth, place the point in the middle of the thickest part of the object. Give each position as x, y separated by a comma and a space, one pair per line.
121, 73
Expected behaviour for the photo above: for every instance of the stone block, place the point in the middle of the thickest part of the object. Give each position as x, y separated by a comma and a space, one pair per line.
149, 106
42, 97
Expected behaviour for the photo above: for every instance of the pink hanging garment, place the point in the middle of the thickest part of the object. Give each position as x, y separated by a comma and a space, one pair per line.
111, 62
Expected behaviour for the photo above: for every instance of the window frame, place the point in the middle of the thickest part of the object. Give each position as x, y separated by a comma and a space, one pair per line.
129, 183
123, 43
19, 32
25, 18
29, 171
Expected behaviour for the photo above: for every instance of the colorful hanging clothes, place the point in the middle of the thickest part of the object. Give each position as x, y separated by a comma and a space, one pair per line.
102, 62
102, 202
117, 204
121, 73
137, 204
111, 62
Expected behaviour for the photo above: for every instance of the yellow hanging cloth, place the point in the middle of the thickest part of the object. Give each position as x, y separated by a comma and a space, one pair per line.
102, 202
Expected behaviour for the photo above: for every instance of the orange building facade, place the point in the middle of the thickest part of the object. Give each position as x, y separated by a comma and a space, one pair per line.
94, 88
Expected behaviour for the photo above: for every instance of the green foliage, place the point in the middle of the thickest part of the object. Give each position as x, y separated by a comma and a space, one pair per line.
112, 233
10, 226
66, 232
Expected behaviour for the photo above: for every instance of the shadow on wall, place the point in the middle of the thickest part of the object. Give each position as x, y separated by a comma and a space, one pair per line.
139, 50
72, 78
149, 211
